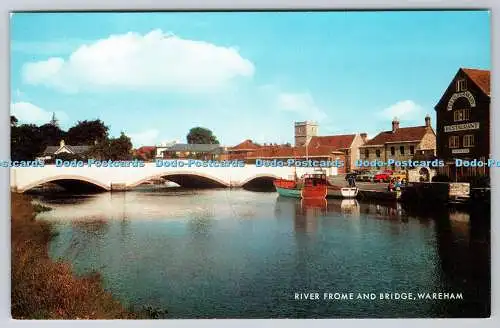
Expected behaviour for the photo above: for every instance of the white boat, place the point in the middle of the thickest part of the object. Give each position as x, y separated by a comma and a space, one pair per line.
344, 192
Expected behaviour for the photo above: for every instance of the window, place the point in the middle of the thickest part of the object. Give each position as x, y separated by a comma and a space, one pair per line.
377, 152
367, 153
461, 114
402, 150
393, 151
454, 142
412, 150
461, 85
466, 114
469, 140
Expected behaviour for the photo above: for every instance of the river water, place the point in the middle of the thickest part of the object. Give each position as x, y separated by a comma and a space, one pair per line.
241, 254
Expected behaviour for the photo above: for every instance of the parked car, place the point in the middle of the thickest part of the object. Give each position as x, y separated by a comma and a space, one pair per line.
402, 175
367, 176
383, 176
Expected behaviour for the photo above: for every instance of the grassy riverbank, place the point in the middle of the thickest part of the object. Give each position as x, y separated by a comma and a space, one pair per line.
42, 289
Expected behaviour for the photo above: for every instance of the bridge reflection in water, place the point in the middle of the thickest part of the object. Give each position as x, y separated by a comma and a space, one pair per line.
242, 254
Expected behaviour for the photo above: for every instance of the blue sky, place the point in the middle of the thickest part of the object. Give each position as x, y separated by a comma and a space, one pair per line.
242, 75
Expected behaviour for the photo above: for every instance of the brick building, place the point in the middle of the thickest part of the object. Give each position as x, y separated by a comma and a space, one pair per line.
308, 145
145, 153
463, 123
407, 143
347, 144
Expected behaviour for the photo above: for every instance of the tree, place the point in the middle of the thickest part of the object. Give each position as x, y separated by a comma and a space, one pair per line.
87, 133
199, 135
120, 148
26, 142
13, 120
51, 134
114, 149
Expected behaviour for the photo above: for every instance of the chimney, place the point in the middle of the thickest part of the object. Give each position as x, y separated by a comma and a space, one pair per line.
395, 125
61, 144
428, 121
364, 136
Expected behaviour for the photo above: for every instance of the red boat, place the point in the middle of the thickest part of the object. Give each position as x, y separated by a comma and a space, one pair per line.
284, 183
315, 186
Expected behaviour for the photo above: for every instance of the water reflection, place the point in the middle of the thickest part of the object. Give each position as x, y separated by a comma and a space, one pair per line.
151, 205
235, 253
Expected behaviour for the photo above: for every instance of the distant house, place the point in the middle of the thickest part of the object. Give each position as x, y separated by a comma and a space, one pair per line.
145, 153
408, 143
285, 153
162, 147
52, 152
243, 150
197, 151
348, 144
307, 144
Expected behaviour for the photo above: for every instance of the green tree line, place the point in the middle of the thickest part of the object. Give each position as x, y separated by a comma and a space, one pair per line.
29, 141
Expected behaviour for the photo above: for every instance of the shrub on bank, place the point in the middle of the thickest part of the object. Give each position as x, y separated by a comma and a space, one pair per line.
43, 289
39, 208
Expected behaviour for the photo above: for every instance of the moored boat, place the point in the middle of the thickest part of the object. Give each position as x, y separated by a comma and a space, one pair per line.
315, 186
296, 193
287, 188
342, 192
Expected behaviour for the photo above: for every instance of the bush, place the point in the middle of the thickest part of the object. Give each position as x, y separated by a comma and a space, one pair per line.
38, 208
43, 289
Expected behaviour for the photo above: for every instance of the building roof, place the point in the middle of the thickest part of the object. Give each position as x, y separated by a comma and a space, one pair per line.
414, 133
78, 149
195, 147
145, 149
51, 150
293, 152
480, 77
336, 142
245, 145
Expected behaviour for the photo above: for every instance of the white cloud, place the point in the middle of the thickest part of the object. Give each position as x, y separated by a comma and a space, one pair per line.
302, 104
26, 112
406, 110
156, 60
144, 138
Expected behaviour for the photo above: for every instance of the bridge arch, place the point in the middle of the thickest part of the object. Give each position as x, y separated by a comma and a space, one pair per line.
259, 182
66, 177
259, 176
180, 177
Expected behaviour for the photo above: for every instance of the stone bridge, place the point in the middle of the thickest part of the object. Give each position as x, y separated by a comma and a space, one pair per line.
125, 178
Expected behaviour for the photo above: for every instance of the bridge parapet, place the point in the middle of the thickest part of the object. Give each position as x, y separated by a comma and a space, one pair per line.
122, 178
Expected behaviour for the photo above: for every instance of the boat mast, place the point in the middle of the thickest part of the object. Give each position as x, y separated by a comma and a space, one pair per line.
307, 145
295, 165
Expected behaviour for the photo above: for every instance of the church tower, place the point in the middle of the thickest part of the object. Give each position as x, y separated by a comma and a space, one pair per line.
304, 131
54, 120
